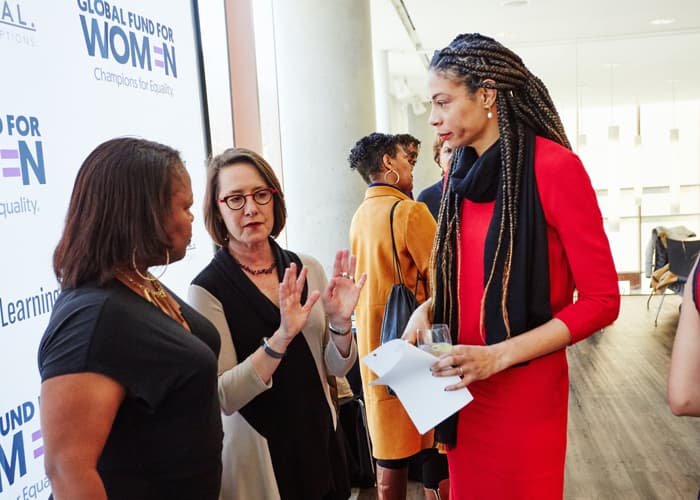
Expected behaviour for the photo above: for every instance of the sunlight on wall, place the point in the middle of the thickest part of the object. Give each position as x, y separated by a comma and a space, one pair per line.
666, 173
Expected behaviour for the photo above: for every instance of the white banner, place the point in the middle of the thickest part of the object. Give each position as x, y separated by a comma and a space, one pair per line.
74, 74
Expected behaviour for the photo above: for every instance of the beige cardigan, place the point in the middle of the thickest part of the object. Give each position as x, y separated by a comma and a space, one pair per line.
247, 466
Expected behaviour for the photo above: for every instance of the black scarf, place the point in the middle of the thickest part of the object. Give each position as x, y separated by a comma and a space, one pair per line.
478, 179
293, 415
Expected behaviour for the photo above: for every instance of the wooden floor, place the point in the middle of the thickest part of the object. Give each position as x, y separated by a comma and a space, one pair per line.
624, 443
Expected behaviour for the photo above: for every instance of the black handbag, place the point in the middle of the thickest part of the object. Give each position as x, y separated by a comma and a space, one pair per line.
358, 447
401, 301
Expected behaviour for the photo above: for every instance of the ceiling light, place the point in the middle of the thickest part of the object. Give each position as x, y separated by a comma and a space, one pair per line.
514, 3
662, 21
401, 90
674, 135
418, 107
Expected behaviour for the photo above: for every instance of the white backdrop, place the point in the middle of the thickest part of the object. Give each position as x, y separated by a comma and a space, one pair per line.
76, 73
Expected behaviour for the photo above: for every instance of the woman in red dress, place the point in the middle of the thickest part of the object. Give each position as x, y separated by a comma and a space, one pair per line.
520, 229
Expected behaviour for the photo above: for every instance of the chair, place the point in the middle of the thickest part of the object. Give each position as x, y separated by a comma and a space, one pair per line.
656, 255
681, 256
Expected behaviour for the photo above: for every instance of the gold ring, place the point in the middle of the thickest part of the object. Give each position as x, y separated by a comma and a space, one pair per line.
461, 372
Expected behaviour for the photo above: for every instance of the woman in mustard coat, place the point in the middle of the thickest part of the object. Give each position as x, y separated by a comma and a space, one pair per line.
388, 170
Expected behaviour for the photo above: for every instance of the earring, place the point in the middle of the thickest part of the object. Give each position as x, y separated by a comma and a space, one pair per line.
489, 115
398, 177
149, 276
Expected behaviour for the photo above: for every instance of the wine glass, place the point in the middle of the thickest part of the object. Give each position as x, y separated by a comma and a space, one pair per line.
435, 340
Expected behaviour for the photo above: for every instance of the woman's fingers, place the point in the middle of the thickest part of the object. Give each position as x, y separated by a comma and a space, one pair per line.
311, 300
300, 280
469, 362
449, 366
352, 262
338, 263
284, 288
342, 264
293, 313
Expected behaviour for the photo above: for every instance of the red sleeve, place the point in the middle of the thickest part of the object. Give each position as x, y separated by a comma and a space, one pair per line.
571, 210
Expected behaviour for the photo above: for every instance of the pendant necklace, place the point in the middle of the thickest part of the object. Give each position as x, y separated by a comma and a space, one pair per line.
156, 296
256, 272
151, 295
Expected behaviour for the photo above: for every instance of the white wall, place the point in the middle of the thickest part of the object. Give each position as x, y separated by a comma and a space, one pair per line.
77, 92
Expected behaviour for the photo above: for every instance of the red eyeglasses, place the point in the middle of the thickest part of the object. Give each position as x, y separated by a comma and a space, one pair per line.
237, 201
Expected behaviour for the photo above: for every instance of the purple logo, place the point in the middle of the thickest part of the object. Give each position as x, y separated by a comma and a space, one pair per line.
36, 436
10, 154
22, 152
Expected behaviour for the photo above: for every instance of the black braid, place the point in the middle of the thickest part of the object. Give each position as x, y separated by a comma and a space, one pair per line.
522, 101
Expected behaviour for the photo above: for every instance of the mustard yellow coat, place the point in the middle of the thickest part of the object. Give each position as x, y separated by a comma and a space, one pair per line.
393, 434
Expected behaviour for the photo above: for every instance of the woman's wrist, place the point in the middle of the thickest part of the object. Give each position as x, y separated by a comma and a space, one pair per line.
340, 326
278, 342
271, 351
503, 354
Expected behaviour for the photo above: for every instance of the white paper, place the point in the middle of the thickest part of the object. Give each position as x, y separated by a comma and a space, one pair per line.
406, 369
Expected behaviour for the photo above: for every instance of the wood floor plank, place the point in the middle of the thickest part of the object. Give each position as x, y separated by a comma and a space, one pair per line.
623, 441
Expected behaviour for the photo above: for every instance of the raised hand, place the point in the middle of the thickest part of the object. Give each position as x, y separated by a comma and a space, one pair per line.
341, 294
293, 314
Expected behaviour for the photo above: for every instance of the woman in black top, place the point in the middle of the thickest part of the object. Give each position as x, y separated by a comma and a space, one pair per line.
129, 404
281, 433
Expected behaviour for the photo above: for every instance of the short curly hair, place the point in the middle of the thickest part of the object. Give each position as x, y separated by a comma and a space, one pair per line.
367, 153
407, 140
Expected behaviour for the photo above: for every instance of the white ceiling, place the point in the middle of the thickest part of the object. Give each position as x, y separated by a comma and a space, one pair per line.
590, 51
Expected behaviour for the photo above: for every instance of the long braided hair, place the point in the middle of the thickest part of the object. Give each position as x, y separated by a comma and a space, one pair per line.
522, 102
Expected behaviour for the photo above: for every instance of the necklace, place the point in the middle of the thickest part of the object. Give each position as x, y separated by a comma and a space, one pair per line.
255, 272
157, 296
152, 294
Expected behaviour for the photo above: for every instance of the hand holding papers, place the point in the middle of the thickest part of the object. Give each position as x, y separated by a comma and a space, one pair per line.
407, 370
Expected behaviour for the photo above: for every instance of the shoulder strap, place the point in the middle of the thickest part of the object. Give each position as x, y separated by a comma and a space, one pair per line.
397, 267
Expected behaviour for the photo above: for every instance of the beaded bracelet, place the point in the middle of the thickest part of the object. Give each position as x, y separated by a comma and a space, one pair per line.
335, 331
270, 351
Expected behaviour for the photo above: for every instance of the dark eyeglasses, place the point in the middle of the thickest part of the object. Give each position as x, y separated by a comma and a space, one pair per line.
237, 201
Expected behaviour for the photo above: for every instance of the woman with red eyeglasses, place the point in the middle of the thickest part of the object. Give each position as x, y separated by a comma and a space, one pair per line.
278, 346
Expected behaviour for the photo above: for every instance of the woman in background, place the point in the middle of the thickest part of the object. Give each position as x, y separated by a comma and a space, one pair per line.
431, 196
129, 408
388, 170
411, 145
281, 436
